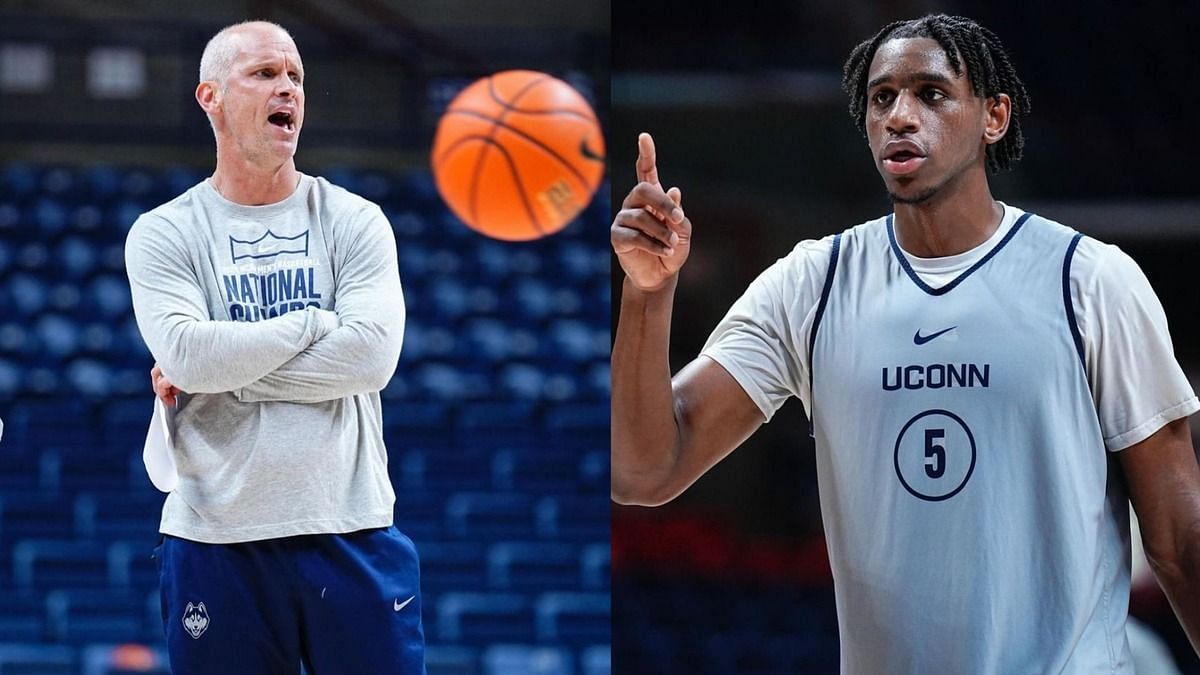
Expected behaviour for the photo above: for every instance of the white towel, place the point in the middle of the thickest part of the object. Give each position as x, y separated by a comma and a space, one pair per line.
159, 451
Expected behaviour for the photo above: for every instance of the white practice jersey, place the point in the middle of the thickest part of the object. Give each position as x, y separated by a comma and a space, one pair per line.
975, 522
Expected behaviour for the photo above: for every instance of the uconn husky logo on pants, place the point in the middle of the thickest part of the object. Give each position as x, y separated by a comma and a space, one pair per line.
195, 619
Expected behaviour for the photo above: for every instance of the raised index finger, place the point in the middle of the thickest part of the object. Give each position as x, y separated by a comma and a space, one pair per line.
647, 170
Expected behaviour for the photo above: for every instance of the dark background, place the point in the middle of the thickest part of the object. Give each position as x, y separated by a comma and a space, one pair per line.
745, 106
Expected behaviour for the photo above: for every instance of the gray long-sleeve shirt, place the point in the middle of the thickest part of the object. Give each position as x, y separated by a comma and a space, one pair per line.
282, 323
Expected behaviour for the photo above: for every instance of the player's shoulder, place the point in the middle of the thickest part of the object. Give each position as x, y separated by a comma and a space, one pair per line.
1094, 262
809, 255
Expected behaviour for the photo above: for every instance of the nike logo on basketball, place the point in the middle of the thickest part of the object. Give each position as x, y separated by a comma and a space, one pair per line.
397, 605
587, 152
922, 339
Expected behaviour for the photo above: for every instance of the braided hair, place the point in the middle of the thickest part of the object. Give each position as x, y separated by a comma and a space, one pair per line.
965, 43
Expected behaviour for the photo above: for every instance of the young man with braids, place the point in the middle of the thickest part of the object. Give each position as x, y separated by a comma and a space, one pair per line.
988, 389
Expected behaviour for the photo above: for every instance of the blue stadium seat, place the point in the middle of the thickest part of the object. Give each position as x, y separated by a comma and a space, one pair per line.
51, 217
138, 184
451, 383
22, 617
579, 341
7, 254
573, 517
119, 515
452, 565
524, 566
408, 225
59, 182
481, 618
15, 341
90, 377
58, 335
430, 341
130, 564
596, 660
575, 618
34, 515
180, 179
585, 424
89, 615
64, 297
87, 220
102, 181
489, 516
527, 660
122, 214
443, 469
599, 380
419, 515
522, 381
38, 659
536, 473
112, 257
20, 179
109, 295
29, 295
594, 471
97, 339
46, 564
19, 470
450, 659
124, 659
12, 219
75, 257
595, 563
82, 468
493, 416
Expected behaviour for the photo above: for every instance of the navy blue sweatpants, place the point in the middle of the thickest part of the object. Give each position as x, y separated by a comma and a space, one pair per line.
339, 603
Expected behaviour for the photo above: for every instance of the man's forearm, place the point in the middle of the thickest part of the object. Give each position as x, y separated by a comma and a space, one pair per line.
357, 358
1181, 583
219, 356
645, 436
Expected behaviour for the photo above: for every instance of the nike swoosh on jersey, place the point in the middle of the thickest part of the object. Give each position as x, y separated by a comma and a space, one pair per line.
587, 152
922, 339
397, 605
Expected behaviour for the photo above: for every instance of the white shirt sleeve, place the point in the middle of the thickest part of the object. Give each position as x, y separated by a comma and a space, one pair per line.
1136, 383
763, 339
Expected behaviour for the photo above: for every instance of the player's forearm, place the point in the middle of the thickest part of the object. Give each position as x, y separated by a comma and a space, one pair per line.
645, 436
208, 357
1180, 580
358, 358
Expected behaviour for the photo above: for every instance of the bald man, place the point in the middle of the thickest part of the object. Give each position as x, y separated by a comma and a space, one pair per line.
271, 302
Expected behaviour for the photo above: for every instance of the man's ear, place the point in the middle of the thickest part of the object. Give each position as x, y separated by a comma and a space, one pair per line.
208, 95
998, 112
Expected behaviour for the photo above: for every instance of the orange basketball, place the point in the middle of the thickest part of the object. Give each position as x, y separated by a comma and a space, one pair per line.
518, 155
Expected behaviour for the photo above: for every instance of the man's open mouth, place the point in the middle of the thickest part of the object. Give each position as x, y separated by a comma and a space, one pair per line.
283, 120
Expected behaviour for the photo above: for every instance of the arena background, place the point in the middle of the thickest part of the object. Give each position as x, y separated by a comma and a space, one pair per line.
496, 421
746, 109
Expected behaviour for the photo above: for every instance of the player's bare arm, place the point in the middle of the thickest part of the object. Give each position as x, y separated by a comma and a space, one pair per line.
665, 432
1164, 486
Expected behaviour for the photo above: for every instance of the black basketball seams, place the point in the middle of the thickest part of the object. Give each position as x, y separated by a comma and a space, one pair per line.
491, 135
497, 122
474, 193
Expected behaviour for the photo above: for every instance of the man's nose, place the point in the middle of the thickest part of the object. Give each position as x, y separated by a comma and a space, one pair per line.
903, 118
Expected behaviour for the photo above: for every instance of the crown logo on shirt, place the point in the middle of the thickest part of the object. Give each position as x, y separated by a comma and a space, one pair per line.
268, 246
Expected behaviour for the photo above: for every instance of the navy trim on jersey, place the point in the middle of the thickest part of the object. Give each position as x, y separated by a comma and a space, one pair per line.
948, 287
1067, 304
812, 336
